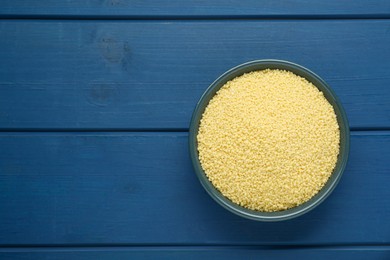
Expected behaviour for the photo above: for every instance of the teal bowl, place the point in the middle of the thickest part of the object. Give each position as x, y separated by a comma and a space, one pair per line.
344, 140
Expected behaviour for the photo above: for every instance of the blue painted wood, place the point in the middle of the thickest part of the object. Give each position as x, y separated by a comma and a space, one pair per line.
139, 188
195, 253
138, 75
230, 8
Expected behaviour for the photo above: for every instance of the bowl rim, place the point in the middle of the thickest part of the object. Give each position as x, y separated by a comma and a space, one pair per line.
217, 195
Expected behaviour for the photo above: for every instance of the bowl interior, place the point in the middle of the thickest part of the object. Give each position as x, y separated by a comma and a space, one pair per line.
344, 140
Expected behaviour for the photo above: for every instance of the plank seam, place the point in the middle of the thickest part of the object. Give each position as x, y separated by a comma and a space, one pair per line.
143, 130
385, 246
195, 17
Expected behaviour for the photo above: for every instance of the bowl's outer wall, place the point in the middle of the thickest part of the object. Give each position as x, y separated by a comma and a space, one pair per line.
344, 139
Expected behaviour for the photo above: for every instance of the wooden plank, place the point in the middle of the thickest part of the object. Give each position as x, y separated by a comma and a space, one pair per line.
139, 188
149, 75
115, 8
195, 253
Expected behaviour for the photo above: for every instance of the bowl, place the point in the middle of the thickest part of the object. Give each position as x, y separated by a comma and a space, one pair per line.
341, 160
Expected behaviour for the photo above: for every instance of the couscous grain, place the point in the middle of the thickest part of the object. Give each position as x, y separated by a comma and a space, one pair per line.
268, 140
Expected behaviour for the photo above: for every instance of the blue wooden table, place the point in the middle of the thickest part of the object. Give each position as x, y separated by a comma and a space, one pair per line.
95, 103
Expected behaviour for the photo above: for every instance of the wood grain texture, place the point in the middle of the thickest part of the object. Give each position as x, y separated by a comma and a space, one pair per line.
232, 8
195, 253
149, 75
139, 188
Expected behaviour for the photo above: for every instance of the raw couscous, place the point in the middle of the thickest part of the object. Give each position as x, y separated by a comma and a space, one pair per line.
268, 140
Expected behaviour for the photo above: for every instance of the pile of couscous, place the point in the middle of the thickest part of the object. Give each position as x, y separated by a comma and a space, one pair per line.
268, 140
